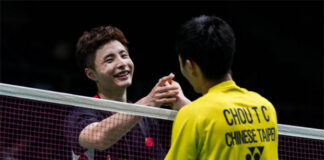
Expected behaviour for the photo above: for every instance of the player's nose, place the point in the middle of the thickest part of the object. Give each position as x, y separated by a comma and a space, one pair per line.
121, 63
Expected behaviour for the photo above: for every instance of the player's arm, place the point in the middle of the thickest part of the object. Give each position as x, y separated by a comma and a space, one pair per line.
101, 135
184, 137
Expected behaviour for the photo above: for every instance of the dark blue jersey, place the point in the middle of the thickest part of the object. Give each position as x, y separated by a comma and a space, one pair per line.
141, 142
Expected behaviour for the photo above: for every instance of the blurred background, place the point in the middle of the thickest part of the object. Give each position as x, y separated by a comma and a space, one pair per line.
279, 47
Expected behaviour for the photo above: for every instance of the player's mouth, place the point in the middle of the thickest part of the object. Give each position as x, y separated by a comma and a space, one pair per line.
122, 75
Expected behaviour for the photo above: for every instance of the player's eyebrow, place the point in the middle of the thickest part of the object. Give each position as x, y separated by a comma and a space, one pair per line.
108, 56
122, 51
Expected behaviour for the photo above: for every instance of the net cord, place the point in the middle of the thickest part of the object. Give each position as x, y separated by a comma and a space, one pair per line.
86, 102
297, 131
127, 108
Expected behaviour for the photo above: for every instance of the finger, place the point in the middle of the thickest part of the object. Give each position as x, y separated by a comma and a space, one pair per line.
166, 100
166, 89
164, 79
170, 80
166, 94
167, 83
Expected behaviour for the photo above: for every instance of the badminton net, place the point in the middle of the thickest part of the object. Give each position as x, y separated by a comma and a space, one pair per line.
40, 124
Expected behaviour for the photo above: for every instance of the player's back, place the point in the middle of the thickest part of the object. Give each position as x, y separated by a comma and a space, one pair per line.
232, 123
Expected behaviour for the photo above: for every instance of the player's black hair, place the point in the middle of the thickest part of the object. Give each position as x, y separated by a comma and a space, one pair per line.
210, 42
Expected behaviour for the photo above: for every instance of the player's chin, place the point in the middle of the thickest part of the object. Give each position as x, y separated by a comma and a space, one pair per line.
125, 83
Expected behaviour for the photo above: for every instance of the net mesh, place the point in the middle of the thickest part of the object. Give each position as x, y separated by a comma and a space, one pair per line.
41, 130
300, 148
34, 129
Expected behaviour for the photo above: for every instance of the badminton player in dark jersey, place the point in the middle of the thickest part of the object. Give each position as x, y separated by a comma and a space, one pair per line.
103, 54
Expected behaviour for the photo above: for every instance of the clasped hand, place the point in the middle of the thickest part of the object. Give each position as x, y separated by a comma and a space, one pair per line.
166, 92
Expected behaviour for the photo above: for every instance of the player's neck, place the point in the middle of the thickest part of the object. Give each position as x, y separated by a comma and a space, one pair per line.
208, 84
116, 95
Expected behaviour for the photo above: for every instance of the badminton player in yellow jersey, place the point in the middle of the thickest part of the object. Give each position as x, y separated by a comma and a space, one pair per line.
228, 122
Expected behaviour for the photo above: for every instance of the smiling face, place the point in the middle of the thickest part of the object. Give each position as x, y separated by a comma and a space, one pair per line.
113, 68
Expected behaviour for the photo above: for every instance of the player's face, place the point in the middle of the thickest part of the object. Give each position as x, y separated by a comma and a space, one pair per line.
113, 67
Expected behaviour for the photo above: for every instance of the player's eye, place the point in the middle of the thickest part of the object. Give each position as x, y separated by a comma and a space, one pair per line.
109, 60
124, 56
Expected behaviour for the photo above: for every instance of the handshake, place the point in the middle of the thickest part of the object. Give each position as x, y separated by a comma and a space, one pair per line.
166, 92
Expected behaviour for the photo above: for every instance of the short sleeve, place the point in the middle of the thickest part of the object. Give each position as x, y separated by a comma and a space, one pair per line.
184, 140
77, 120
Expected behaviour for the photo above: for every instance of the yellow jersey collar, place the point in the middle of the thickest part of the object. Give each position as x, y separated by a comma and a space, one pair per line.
223, 85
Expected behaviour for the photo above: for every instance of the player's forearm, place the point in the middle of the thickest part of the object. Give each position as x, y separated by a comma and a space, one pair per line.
104, 134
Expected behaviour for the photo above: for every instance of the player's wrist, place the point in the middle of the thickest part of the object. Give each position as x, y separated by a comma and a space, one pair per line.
145, 101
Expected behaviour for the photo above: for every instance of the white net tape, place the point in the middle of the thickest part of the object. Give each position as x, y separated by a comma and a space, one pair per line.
115, 106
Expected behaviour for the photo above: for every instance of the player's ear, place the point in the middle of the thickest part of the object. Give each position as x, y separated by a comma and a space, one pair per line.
192, 67
90, 74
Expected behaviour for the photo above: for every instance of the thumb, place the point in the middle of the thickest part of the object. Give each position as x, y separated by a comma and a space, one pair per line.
163, 80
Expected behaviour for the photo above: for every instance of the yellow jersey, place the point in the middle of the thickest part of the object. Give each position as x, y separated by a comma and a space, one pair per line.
227, 123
